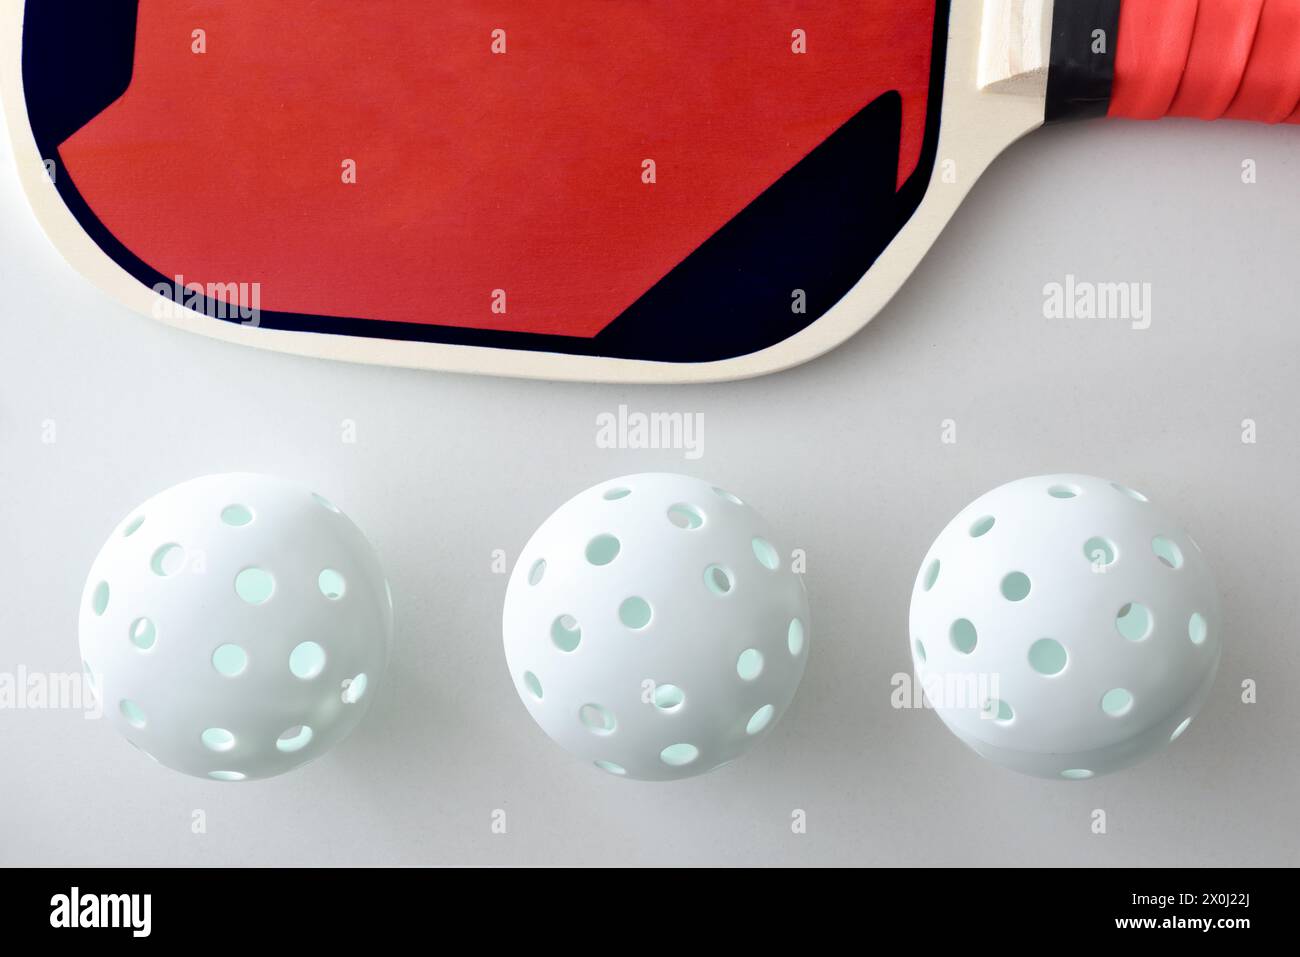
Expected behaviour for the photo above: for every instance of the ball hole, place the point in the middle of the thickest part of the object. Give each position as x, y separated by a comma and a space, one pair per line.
1015, 586
217, 739
1117, 702
294, 739
963, 635
603, 549
931, 575
750, 664
1048, 656
611, 767
143, 634
332, 584
919, 649
236, 515
982, 526
536, 573
685, 516
566, 633
669, 697
167, 560
132, 712
533, 685
999, 711
635, 612
133, 526
230, 660
597, 719
718, 580
1180, 729
307, 660
99, 599
1131, 493
1167, 551
766, 554
724, 494
1063, 491
323, 501
1134, 622
354, 689
679, 755
614, 494
794, 637
760, 719
226, 775
254, 585
1100, 551
1076, 774
1197, 629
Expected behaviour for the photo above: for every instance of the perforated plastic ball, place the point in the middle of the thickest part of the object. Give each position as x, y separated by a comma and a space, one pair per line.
654, 626
236, 626
1065, 627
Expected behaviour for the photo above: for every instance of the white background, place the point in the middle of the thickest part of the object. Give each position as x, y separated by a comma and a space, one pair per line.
843, 455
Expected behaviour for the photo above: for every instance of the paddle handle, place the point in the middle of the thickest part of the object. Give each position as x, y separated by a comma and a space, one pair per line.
1208, 59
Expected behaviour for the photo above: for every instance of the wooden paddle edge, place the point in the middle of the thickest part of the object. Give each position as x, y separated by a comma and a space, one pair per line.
976, 127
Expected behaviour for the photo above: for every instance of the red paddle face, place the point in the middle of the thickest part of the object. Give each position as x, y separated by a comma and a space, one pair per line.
676, 181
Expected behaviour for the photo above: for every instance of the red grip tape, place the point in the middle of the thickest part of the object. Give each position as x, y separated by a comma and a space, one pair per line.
1210, 59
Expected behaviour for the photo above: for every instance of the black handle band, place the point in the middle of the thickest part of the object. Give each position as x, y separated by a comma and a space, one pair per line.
1082, 71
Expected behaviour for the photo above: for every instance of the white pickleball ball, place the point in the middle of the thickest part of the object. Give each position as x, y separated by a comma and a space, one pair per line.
1065, 627
654, 627
236, 626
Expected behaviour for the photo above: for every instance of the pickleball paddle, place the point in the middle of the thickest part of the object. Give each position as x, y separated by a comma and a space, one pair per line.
613, 190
